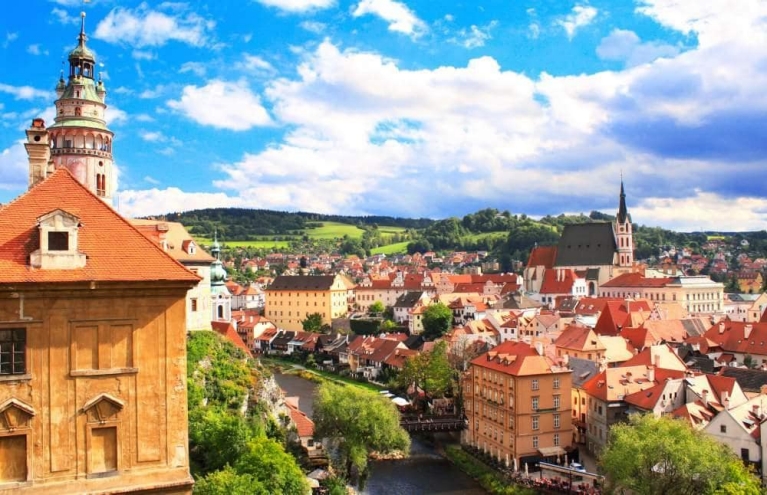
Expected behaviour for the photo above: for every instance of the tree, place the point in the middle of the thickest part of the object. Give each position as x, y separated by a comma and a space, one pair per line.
275, 469
376, 308
429, 371
228, 482
312, 323
358, 422
437, 320
663, 455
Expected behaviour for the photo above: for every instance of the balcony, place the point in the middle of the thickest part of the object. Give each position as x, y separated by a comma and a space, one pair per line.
80, 151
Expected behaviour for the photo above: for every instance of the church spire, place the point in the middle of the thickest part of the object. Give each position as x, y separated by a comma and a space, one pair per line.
623, 214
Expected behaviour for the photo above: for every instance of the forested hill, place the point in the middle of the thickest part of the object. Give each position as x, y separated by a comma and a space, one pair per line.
246, 224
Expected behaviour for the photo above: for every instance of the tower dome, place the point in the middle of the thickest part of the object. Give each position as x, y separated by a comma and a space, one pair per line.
217, 271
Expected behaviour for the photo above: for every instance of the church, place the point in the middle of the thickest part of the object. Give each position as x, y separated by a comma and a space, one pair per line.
93, 392
586, 256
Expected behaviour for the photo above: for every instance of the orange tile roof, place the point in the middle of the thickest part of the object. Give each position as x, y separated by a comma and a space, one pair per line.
579, 338
617, 315
226, 329
304, 425
115, 250
542, 256
518, 359
558, 281
636, 280
731, 337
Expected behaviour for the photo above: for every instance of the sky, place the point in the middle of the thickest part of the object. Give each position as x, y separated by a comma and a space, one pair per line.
415, 108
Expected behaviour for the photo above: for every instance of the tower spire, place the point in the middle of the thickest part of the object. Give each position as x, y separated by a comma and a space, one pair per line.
622, 210
82, 36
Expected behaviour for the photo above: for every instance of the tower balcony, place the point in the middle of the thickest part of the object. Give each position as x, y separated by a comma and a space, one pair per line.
80, 151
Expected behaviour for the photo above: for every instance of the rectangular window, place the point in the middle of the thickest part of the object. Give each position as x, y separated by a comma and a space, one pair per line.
556, 421
194, 305
535, 442
556, 383
535, 403
744, 455
13, 458
556, 401
722, 428
534, 384
58, 241
556, 439
13, 351
535, 422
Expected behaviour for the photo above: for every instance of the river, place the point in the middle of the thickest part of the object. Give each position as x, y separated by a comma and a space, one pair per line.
424, 472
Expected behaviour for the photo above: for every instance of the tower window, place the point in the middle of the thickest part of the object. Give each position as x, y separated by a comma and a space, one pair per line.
58, 241
78, 111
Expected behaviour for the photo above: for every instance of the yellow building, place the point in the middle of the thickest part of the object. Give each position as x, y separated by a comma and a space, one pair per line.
92, 349
517, 401
291, 299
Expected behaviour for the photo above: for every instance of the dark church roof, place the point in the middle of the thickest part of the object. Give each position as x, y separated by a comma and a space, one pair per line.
586, 244
623, 213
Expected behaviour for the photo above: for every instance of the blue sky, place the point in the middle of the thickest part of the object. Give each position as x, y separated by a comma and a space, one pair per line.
414, 107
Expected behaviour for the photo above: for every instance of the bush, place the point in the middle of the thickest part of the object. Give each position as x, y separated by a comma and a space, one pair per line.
490, 480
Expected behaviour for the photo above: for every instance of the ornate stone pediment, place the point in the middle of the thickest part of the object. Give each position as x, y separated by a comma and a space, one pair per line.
103, 408
15, 415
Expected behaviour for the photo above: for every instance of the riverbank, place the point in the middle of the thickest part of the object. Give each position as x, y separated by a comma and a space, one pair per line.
488, 478
317, 376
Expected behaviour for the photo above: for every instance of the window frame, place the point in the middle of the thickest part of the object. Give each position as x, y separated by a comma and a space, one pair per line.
8, 348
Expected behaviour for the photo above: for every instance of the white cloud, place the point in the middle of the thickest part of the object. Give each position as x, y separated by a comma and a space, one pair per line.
582, 15
695, 213
151, 136
25, 92
138, 203
144, 27
197, 68
313, 27
115, 116
298, 6
625, 46
475, 36
254, 64
9, 38
155, 92
14, 167
36, 50
143, 117
221, 104
400, 18
63, 17
143, 55
151, 180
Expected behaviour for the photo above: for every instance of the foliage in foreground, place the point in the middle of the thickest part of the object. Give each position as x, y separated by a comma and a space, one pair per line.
662, 455
490, 479
429, 371
359, 422
232, 453
437, 321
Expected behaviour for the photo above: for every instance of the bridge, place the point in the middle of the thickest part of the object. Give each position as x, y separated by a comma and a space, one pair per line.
432, 423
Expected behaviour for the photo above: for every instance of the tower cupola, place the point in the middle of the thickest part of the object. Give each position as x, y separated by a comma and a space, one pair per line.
82, 60
220, 295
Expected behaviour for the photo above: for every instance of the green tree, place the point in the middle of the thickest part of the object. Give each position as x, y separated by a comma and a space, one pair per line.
437, 320
663, 455
275, 469
358, 422
312, 323
429, 371
228, 482
376, 308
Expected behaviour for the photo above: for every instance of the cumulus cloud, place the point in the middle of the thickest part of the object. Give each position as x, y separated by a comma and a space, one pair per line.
25, 92
255, 65
313, 27
63, 17
625, 46
138, 203
14, 167
197, 68
399, 16
222, 104
582, 15
144, 27
298, 6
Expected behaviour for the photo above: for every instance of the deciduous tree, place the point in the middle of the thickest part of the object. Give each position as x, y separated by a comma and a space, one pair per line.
652, 455
312, 323
359, 422
376, 308
437, 320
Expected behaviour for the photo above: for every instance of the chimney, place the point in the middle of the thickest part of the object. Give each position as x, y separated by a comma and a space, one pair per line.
655, 359
755, 410
704, 398
628, 376
726, 399
747, 331
721, 327
651, 373
566, 359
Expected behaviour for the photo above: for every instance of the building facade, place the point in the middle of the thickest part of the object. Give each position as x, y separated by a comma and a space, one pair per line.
291, 299
92, 349
517, 401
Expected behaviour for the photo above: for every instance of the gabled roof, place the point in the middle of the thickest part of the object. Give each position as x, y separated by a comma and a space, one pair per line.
177, 240
408, 299
731, 337
115, 250
586, 244
558, 281
636, 280
542, 256
579, 338
583, 370
302, 282
617, 315
749, 380
660, 356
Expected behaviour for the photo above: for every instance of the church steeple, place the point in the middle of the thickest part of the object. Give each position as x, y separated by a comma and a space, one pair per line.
624, 237
220, 295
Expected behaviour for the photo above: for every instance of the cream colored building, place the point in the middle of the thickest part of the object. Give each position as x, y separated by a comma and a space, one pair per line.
696, 294
173, 238
291, 299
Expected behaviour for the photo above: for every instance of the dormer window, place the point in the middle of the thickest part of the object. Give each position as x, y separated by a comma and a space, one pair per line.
58, 242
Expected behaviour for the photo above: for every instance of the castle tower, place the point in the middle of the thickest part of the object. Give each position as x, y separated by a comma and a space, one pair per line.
79, 138
220, 295
623, 234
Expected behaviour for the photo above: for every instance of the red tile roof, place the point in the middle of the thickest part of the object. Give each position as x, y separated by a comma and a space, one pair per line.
579, 338
636, 280
558, 281
616, 316
226, 329
115, 250
518, 359
731, 337
542, 256
304, 425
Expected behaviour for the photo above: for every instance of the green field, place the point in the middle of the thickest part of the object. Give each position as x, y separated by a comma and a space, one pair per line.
398, 248
333, 230
258, 244
388, 229
485, 235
